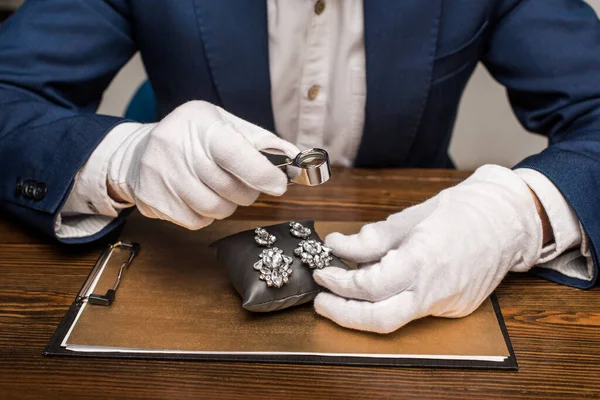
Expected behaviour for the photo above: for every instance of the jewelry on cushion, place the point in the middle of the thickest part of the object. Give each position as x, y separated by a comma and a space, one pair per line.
264, 238
298, 230
274, 266
314, 254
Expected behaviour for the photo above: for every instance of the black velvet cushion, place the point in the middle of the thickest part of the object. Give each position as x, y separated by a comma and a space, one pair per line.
238, 253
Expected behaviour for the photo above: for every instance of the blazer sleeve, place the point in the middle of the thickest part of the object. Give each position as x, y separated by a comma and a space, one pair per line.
56, 59
547, 55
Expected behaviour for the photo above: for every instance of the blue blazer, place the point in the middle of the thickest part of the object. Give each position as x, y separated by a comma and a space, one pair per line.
57, 57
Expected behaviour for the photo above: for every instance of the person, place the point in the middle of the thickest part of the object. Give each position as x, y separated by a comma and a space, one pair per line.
377, 83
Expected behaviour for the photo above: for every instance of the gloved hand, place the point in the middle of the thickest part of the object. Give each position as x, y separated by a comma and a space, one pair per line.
443, 257
198, 164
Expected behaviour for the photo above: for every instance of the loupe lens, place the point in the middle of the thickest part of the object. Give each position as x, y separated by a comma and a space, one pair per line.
310, 168
311, 159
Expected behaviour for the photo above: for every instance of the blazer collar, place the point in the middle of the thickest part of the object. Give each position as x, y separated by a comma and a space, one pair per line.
236, 43
400, 43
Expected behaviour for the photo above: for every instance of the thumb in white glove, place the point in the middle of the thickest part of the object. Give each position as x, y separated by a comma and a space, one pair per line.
443, 257
198, 164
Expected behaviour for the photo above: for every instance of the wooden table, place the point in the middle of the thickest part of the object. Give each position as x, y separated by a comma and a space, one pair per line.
555, 330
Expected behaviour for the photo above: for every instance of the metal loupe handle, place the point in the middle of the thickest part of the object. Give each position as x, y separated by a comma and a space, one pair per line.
310, 167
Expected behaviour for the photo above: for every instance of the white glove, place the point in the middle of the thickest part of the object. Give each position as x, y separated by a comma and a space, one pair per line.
443, 257
198, 164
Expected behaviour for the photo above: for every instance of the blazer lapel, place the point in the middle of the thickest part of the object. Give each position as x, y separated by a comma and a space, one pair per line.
235, 38
400, 43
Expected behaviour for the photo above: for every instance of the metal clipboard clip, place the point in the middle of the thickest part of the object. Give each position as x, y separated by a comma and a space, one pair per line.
109, 297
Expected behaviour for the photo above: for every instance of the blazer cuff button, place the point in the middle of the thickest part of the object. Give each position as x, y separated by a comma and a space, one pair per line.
19, 187
28, 189
39, 191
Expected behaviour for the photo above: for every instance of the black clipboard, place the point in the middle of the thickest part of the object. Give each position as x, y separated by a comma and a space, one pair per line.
55, 346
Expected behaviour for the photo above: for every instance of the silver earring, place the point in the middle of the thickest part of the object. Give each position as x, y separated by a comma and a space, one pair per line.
264, 238
314, 254
274, 266
298, 230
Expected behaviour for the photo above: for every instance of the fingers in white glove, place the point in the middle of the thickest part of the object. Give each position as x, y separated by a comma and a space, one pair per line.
193, 197
235, 154
371, 243
375, 240
381, 317
225, 184
393, 274
260, 138
449, 258
231, 188
198, 164
190, 219
204, 201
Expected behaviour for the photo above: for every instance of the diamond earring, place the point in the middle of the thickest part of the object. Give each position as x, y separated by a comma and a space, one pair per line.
274, 266
298, 230
314, 254
264, 238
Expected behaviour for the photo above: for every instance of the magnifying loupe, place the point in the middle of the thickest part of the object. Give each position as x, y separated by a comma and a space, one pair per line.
310, 167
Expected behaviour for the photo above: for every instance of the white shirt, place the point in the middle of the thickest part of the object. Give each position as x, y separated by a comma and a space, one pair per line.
318, 81
325, 51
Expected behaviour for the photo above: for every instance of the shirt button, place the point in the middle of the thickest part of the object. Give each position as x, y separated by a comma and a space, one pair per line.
319, 7
313, 92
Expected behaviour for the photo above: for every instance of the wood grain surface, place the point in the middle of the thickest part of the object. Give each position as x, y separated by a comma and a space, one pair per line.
555, 330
